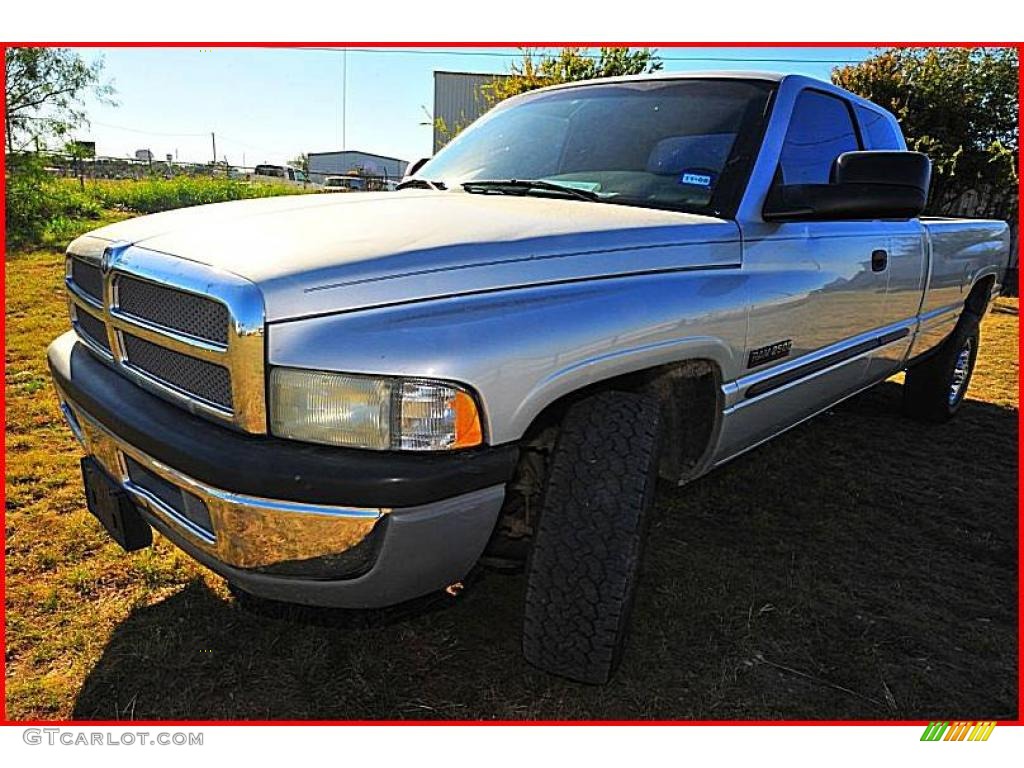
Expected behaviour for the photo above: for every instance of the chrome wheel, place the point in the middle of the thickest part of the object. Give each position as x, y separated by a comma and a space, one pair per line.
961, 370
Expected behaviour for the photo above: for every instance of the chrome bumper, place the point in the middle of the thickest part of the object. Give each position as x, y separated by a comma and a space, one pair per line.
306, 553
288, 538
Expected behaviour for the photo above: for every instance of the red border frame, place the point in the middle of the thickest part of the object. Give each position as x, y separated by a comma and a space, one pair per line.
491, 44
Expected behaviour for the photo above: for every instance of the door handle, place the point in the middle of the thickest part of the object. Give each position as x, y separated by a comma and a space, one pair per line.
879, 260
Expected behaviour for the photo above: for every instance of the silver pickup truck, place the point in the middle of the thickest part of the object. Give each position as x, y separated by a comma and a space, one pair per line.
346, 400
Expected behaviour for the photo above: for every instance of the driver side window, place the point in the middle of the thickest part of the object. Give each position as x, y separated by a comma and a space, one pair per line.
820, 130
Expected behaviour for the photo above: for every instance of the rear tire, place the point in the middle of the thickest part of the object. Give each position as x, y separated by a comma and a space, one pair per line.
585, 561
935, 389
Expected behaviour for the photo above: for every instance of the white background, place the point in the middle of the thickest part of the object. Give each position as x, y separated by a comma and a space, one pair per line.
540, 746
867, 21
491, 21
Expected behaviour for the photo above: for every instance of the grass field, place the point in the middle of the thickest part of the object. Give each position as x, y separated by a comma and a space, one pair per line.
45, 212
860, 566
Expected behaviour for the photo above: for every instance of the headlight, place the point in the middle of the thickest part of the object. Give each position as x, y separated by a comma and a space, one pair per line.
372, 412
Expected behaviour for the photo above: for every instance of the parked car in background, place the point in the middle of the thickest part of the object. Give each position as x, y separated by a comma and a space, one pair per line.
354, 183
283, 173
345, 402
344, 184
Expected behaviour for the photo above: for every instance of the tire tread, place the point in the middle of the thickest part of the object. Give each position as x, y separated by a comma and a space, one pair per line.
589, 539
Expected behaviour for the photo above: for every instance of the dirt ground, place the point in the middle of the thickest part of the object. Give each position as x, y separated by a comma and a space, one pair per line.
860, 566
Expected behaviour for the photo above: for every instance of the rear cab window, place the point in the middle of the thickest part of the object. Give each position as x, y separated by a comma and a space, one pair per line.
820, 129
877, 130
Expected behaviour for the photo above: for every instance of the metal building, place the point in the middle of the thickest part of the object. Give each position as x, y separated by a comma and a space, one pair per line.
458, 101
324, 164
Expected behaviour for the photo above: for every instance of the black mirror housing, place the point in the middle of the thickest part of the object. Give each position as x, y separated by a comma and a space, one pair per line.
411, 170
865, 185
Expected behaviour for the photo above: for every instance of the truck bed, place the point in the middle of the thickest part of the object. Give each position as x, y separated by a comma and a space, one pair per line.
960, 254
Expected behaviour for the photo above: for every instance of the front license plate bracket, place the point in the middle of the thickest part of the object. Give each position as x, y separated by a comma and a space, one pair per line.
114, 508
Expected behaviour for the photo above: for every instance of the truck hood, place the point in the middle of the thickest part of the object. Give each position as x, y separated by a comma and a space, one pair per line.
315, 254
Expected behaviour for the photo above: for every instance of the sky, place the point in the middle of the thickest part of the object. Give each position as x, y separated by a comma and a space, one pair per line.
270, 104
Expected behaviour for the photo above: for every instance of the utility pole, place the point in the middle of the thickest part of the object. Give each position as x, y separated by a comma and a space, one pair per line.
344, 94
213, 138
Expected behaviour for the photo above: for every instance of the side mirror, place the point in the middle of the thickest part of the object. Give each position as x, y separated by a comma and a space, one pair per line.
411, 170
865, 185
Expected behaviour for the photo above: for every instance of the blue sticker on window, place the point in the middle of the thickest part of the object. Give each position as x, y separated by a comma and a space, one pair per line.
696, 179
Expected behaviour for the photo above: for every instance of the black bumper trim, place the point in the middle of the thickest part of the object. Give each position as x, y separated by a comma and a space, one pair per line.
267, 467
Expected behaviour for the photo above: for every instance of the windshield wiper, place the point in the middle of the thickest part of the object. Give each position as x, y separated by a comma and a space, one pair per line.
523, 186
414, 183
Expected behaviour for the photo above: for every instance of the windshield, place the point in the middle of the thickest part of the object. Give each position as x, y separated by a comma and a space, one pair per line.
663, 143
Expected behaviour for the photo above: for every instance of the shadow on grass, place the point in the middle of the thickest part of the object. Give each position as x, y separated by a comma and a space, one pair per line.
861, 566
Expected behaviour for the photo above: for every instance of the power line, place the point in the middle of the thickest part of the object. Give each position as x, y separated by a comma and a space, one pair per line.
498, 54
246, 144
139, 130
228, 139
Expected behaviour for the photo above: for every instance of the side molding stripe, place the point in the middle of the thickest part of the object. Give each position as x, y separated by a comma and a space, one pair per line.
821, 364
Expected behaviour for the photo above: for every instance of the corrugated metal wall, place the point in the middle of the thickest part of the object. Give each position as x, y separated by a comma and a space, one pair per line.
458, 101
323, 164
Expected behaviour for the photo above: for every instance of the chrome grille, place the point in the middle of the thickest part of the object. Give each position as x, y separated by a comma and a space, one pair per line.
88, 278
208, 381
188, 332
94, 329
185, 313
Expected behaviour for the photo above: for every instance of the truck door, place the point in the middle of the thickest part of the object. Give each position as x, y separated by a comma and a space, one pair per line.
907, 257
817, 290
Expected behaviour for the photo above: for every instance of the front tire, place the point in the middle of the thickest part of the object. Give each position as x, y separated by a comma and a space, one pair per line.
586, 553
935, 389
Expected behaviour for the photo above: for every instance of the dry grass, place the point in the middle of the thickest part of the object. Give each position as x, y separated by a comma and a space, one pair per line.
861, 566
68, 584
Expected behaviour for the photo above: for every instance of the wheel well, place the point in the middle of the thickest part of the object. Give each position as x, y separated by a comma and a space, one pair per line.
689, 393
977, 300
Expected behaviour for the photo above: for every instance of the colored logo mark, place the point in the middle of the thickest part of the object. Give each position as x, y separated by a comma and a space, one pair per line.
963, 730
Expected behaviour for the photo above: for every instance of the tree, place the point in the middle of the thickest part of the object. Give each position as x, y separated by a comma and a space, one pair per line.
537, 70
44, 93
959, 106
78, 152
301, 161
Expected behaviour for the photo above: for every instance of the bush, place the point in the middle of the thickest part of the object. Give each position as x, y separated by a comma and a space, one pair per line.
35, 200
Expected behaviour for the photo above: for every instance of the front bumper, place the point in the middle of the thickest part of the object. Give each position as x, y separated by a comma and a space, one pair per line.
405, 535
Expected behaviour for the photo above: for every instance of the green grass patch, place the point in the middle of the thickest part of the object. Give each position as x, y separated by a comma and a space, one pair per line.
50, 212
156, 194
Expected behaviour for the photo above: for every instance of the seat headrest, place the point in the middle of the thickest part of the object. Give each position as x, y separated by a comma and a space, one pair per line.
675, 154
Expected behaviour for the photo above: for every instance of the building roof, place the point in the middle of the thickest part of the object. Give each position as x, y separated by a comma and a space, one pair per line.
470, 74
358, 152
